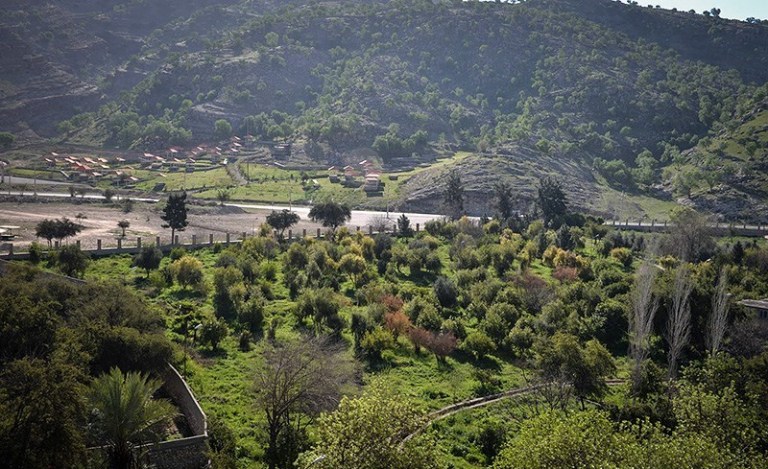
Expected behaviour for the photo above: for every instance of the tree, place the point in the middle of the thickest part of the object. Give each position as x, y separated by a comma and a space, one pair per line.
223, 195
453, 196
404, 226
566, 367
478, 344
299, 380
321, 305
213, 332
442, 345
123, 224
6, 139
330, 214
57, 229
222, 129
368, 433
175, 214
282, 220
551, 201
690, 239
72, 261
644, 307
125, 415
41, 410
678, 331
502, 192
148, 258
718, 316
188, 271
108, 194
353, 265
46, 229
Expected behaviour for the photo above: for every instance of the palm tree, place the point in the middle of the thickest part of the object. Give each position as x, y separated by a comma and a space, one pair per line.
125, 415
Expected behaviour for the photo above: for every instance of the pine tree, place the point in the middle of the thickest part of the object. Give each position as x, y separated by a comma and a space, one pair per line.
454, 195
175, 214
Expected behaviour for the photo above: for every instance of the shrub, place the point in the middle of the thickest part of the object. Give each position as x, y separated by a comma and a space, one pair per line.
213, 332
623, 255
446, 292
188, 271
478, 344
375, 342
252, 315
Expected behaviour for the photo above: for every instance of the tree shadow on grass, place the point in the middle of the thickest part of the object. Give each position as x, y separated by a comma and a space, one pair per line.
208, 353
488, 362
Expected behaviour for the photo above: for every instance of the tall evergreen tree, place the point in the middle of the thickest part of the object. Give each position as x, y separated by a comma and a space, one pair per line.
175, 214
454, 195
503, 193
551, 200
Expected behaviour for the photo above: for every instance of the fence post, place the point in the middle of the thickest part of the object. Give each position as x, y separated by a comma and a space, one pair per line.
304, 233
417, 227
138, 242
119, 243
370, 229
157, 242
244, 234
176, 240
98, 245
227, 242
210, 239
77, 243
318, 233
290, 234
194, 240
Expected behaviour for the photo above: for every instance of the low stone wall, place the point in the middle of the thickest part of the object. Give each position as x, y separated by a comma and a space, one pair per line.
179, 391
186, 453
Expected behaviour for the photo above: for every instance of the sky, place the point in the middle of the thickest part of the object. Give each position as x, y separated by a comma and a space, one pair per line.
736, 9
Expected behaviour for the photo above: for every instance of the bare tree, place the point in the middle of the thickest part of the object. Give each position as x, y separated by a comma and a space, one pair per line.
298, 381
678, 331
718, 318
644, 307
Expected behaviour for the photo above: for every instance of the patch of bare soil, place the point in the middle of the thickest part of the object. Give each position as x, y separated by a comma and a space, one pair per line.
99, 221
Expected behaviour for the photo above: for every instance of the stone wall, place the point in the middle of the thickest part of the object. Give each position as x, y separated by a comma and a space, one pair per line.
186, 453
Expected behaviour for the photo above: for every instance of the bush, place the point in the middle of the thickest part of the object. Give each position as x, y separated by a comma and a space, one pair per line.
188, 271
478, 344
445, 292
252, 315
213, 332
177, 253
375, 342
36, 252
623, 255
72, 261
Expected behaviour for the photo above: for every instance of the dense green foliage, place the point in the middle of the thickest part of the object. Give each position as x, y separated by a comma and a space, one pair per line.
55, 336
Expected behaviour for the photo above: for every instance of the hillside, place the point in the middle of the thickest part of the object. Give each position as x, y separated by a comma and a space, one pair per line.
604, 93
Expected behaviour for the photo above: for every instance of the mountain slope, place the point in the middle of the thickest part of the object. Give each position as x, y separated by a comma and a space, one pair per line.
606, 92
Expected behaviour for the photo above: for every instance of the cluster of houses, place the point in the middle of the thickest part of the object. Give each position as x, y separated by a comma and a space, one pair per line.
176, 159
85, 168
349, 176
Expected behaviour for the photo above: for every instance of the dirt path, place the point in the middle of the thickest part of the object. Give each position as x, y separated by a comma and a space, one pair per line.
449, 410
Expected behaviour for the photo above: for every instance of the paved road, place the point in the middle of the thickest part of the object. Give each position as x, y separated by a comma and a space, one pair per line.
30, 181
